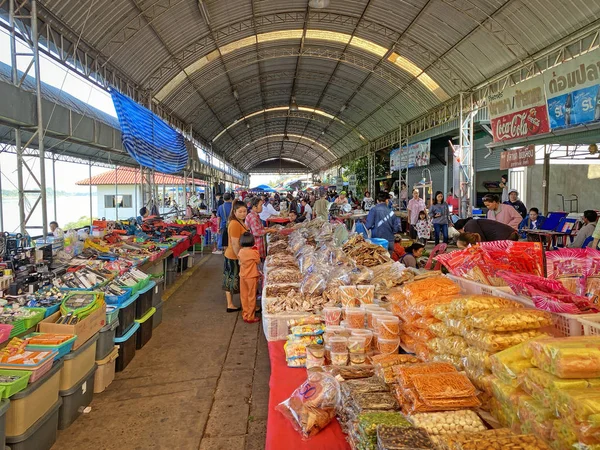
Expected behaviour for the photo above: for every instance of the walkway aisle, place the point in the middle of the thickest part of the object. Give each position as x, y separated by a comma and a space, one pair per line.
202, 382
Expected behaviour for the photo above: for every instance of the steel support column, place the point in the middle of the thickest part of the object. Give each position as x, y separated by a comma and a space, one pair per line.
546, 181
91, 206
371, 172
466, 143
18, 145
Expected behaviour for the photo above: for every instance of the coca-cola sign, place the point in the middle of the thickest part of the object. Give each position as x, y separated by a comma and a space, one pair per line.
519, 111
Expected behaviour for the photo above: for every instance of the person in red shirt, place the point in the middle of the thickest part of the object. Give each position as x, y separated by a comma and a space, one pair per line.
452, 201
249, 275
213, 230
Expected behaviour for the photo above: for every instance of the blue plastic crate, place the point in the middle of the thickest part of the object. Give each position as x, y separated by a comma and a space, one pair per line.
51, 310
118, 300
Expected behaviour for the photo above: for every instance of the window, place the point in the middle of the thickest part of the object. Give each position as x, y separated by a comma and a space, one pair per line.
124, 201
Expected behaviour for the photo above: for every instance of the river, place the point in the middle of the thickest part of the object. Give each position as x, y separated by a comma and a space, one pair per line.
69, 208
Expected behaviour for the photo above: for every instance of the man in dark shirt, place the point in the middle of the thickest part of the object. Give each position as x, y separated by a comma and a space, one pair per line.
382, 221
488, 230
294, 218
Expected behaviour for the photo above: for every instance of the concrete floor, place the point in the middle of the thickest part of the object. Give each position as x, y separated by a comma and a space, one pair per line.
202, 382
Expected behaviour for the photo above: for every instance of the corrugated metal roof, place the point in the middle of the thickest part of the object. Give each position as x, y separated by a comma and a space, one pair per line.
458, 43
128, 176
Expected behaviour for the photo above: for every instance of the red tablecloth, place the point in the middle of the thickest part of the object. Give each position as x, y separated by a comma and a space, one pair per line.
279, 220
280, 433
181, 247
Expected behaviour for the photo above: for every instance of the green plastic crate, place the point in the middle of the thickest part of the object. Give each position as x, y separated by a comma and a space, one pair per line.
34, 320
9, 389
18, 328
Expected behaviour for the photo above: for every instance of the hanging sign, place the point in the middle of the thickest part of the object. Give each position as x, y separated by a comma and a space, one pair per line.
419, 154
519, 111
352, 182
572, 91
518, 157
339, 184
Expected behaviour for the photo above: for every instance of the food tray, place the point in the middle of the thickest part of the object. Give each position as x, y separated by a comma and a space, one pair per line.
34, 320
15, 386
62, 349
5, 330
275, 325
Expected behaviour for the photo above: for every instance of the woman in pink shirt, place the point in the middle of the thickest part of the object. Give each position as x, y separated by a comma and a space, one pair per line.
505, 214
415, 206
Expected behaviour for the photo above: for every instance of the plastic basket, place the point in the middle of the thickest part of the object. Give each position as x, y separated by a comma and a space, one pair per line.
472, 287
5, 330
51, 310
15, 386
118, 300
591, 325
18, 328
62, 349
37, 370
112, 313
35, 319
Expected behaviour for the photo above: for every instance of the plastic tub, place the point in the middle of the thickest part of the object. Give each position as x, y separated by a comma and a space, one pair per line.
74, 400
157, 292
35, 319
105, 373
32, 403
339, 359
144, 334
51, 310
356, 344
118, 300
388, 327
333, 330
78, 363
37, 370
388, 346
355, 316
41, 435
333, 315
338, 344
158, 316
126, 316
126, 347
144, 302
4, 404
370, 310
18, 328
106, 340
376, 316
62, 349
15, 386
367, 335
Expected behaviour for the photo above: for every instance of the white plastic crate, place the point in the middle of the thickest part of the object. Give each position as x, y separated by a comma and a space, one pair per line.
472, 287
591, 325
275, 325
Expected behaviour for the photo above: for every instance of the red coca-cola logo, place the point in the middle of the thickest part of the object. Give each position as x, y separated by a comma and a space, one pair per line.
521, 124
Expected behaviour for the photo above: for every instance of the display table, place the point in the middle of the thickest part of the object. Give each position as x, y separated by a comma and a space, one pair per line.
278, 220
280, 433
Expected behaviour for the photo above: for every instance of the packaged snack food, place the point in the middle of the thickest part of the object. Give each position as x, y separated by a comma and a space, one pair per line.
426, 307
333, 315
351, 372
377, 315
547, 380
403, 438
357, 295
366, 335
358, 358
468, 305
508, 365
386, 361
372, 401
440, 329
315, 351
454, 442
536, 416
307, 330
339, 359
443, 385
510, 319
506, 393
515, 442
388, 327
314, 362
367, 423
312, 406
477, 360
387, 346
574, 357
338, 344
450, 422
432, 287
453, 345
362, 385
404, 374
456, 361
355, 317
335, 330
369, 311
495, 342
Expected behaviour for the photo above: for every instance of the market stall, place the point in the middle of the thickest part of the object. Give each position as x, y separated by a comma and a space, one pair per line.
367, 354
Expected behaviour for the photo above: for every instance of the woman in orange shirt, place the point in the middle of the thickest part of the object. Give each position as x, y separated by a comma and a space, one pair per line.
249, 275
231, 270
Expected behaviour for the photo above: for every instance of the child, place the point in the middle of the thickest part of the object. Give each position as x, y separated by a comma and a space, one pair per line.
398, 251
213, 229
249, 276
423, 227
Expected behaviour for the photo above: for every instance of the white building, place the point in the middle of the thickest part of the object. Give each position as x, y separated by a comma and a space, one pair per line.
119, 192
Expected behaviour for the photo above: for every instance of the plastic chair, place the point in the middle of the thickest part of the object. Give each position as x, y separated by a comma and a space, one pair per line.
587, 241
359, 227
437, 250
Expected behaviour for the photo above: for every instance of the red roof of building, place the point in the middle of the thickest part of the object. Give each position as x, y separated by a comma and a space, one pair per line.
127, 175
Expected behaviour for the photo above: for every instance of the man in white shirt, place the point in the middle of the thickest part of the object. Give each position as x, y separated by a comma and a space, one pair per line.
267, 211
307, 209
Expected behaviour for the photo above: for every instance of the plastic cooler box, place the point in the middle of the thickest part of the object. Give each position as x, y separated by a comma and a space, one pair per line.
31, 404
4, 404
126, 316
78, 363
105, 373
144, 301
106, 341
76, 399
157, 292
41, 435
144, 334
158, 316
126, 345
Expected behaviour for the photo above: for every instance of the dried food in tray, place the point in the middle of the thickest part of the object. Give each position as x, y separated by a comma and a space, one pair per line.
362, 385
369, 421
403, 438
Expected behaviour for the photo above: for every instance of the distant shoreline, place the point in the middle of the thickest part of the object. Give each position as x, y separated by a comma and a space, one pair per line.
14, 194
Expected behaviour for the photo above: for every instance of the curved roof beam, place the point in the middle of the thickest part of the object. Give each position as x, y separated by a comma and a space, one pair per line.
286, 108
268, 150
311, 34
282, 135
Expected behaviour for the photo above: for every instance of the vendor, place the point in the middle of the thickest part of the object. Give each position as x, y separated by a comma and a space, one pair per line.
513, 200
533, 221
307, 211
382, 222
505, 214
466, 239
342, 199
56, 231
144, 213
488, 230
590, 218
295, 218
409, 259
267, 211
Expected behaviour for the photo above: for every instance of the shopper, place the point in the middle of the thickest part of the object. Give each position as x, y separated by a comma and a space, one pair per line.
452, 201
223, 213
267, 211
144, 213
213, 231
307, 210
590, 218
504, 186
220, 200
321, 209
488, 230
367, 202
255, 225
382, 222
466, 239
342, 199
505, 214
413, 252
440, 214
513, 200
423, 227
415, 206
403, 195
533, 221
295, 218
231, 271
249, 258
294, 206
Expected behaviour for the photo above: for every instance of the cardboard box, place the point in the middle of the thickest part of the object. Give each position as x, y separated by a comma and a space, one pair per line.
84, 329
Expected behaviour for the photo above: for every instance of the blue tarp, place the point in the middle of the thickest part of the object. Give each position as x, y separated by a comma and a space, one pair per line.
262, 188
147, 138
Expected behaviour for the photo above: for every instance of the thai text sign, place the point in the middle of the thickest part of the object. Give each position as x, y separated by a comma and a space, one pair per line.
519, 157
519, 111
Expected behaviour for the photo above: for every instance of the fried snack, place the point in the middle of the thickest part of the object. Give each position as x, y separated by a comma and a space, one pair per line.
283, 275
496, 342
471, 304
454, 441
451, 422
404, 374
508, 365
403, 438
574, 357
365, 253
357, 295
449, 385
453, 345
516, 442
510, 319
372, 401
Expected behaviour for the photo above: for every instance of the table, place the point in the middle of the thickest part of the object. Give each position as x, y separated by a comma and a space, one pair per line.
278, 220
280, 433
551, 236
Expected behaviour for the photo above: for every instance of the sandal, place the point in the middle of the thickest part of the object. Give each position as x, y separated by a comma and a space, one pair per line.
252, 320
230, 310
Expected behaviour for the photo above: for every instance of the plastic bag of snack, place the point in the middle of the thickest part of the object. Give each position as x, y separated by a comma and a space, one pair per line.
403, 438
477, 360
443, 385
496, 342
442, 311
455, 441
509, 365
456, 361
308, 330
470, 304
574, 357
457, 326
357, 295
426, 307
404, 374
314, 281
351, 372
312, 406
453, 345
368, 422
432, 287
373, 401
451, 422
360, 275
549, 381
510, 319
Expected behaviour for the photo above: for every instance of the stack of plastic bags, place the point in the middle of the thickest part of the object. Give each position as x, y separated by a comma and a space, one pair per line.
303, 332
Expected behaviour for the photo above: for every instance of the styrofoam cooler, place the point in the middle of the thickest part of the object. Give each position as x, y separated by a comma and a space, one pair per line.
74, 400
